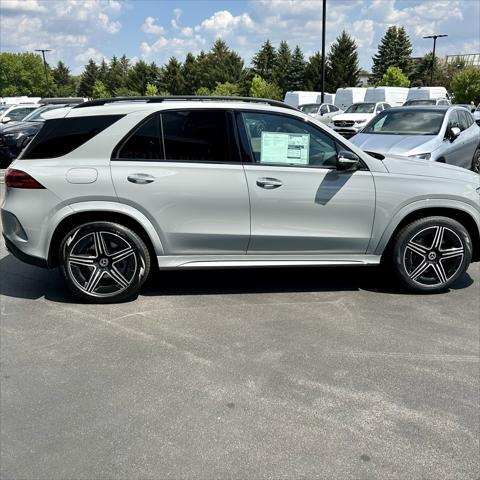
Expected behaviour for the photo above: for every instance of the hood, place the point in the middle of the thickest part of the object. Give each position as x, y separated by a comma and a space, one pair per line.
353, 116
22, 127
426, 168
395, 144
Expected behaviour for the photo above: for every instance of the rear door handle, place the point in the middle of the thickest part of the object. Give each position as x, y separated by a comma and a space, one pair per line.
269, 183
140, 178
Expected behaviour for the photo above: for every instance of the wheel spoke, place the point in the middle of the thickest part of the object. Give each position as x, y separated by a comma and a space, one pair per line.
94, 280
85, 260
100, 247
419, 270
118, 277
438, 238
419, 249
451, 253
440, 272
116, 257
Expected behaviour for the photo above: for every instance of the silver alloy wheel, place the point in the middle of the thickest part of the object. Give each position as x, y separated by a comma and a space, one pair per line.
433, 256
101, 263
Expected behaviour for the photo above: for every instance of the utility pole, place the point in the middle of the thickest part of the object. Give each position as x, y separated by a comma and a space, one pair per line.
43, 50
433, 55
324, 14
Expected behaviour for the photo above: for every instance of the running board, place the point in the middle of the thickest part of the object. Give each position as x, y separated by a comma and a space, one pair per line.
235, 261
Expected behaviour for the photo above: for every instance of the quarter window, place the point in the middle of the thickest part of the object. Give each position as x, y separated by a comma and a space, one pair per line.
144, 143
283, 140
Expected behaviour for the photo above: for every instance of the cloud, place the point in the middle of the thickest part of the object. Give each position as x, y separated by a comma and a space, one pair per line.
150, 27
23, 6
90, 53
223, 22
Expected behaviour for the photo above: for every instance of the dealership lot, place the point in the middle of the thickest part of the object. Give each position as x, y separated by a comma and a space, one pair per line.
327, 373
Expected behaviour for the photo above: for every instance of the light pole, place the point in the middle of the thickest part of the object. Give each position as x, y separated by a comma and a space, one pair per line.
324, 14
433, 55
43, 50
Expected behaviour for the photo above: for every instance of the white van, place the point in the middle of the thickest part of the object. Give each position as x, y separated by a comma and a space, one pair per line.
299, 97
394, 96
328, 98
432, 95
18, 100
344, 97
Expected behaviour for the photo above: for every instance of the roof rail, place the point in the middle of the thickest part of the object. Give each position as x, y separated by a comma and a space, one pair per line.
104, 101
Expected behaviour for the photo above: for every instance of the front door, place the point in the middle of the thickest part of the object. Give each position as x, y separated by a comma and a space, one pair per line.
300, 203
180, 169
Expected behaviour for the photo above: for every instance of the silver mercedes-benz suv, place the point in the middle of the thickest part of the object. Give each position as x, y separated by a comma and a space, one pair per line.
111, 188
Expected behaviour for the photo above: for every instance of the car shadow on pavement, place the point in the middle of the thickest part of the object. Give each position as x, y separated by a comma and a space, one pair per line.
18, 280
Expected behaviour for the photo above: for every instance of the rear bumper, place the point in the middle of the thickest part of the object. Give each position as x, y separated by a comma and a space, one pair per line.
24, 257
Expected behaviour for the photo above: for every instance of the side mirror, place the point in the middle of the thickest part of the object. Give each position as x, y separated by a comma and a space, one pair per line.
6, 119
454, 133
347, 161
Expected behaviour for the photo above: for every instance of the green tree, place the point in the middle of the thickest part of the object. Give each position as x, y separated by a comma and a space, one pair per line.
264, 60
126, 92
87, 79
313, 73
151, 90
343, 70
172, 80
466, 86
226, 89
394, 77
115, 78
282, 66
191, 74
103, 71
142, 74
222, 65
260, 88
203, 92
63, 81
296, 74
99, 90
394, 50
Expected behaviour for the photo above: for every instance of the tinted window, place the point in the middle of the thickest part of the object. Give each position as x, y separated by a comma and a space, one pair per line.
333, 108
19, 113
361, 108
406, 122
465, 119
144, 142
283, 140
324, 109
196, 135
453, 120
60, 136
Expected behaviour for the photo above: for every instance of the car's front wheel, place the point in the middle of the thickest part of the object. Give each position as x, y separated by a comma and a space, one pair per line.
104, 262
476, 161
431, 253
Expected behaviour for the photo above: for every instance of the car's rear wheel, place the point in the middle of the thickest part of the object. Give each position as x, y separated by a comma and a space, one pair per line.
104, 262
476, 161
431, 253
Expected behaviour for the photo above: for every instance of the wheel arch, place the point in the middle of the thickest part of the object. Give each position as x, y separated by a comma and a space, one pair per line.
460, 216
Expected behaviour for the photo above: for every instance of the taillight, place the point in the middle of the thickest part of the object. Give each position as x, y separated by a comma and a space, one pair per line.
18, 179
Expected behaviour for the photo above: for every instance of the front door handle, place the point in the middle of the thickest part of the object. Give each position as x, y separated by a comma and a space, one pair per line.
140, 178
269, 183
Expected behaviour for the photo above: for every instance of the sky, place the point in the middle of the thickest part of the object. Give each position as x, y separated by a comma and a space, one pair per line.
155, 30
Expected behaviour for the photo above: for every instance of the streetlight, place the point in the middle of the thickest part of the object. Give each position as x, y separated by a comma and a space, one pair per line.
43, 50
433, 59
324, 13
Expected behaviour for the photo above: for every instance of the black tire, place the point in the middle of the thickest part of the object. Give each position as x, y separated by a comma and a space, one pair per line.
104, 262
476, 161
431, 253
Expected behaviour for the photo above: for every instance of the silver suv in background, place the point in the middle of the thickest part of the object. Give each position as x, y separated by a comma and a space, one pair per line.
443, 134
324, 112
115, 187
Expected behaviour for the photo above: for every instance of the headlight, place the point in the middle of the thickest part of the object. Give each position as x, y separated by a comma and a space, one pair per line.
421, 156
361, 121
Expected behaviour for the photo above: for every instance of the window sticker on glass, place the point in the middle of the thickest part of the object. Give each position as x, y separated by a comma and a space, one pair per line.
285, 148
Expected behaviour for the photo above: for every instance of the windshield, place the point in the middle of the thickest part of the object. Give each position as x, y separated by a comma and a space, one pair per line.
37, 115
420, 102
410, 122
3, 108
309, 108
361, 108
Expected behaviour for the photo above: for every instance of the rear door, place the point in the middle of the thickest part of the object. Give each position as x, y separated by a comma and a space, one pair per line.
181, 168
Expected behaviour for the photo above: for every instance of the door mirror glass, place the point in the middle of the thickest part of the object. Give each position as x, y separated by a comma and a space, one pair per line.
454, 133
6, 119
347, 160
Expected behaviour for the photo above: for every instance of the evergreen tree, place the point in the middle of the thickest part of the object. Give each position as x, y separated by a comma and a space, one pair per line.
87, 79
64, 84
124, 65
222, 65
114, 79
142, 74
282, 66
99, 90
191, 74
313, 73
296, 73
264, 61
343, 70
173, 80
394, 50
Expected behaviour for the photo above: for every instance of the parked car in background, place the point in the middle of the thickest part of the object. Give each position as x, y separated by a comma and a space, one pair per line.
470, 108
476, 115
441, 134
356, 116
114, 188
422, 103
17, 135
301, 97
323, 112
16, 112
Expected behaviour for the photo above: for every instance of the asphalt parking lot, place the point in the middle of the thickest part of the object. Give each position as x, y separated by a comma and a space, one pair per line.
278, 373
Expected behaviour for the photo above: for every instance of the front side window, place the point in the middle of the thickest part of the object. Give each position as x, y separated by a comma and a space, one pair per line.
196, 135
324, 109
144, 142
453, 120
283, 140
464, 118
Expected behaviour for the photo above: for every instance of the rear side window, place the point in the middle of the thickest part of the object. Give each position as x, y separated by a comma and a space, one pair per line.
196, 135
143, 143
60, 136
